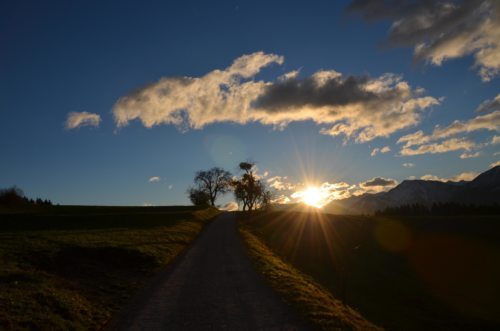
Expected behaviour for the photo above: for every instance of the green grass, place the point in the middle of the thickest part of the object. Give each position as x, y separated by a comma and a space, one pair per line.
433, 273
72, 267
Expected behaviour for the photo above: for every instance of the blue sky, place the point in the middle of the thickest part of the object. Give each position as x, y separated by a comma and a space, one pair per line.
65, 57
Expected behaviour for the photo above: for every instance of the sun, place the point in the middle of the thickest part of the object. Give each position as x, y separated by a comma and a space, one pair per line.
312, 196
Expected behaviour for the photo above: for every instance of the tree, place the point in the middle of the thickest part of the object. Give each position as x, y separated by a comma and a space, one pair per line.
198, 198
210, 184
249, 190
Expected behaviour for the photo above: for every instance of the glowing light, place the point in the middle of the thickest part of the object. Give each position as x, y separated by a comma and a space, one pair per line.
312, 196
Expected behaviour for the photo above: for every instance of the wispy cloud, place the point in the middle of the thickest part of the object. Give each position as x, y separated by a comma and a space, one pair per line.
358, 107
470, 155
453, 144
408, 165
154, 179
467, 176
79, 119
441, 30
377, 150
494, 164
489, 105
440, 141
230, 206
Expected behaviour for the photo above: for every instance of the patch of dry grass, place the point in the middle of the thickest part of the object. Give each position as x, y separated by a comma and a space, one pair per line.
316, 304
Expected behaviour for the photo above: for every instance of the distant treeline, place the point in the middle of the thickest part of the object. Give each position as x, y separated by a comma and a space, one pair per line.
450, 208
14, 196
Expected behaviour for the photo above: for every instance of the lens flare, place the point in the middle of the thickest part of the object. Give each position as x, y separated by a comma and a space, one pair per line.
312, 196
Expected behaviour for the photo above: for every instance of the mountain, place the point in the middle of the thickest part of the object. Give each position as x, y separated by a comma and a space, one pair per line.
483, 190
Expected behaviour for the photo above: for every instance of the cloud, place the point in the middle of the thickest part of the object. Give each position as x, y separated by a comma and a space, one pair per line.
170, 186
327, 192
408, 165
280, 183
490, 122
230, 206
378, 181
494, 164
76, 120
470, 155
441, 30
467, 176
489, 105
377, 150
358, 107
453, 144
154, 179
495, 140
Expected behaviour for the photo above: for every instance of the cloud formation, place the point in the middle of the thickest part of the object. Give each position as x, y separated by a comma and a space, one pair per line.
78, 119
467, 176
360, 108
441, 30
440, 141
494, 164
466, 155
378, 181
377, 150
154, 179
489, 105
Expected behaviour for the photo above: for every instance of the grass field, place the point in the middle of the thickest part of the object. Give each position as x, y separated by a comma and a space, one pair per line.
434, 273
70, 267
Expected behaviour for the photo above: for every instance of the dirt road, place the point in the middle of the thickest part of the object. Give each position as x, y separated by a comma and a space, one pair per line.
212, 287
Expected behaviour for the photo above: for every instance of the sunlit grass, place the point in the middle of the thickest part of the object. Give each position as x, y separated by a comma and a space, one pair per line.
409, 273
311, 300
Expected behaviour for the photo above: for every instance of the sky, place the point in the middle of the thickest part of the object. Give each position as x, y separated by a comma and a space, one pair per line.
121, 102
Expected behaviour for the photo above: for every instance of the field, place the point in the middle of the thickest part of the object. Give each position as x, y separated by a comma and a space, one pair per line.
410, 273
71, 267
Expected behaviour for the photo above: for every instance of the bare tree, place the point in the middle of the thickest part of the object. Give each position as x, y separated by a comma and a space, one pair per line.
210, 183
249, 190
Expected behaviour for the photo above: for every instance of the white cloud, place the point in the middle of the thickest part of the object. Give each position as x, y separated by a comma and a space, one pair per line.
358, 107
467, 176
408, 165
495, 140
230, 206
170, 186
470, 155
154, 179
453, 144
280, 183
494, 164
76, 120
377, 150
442, 30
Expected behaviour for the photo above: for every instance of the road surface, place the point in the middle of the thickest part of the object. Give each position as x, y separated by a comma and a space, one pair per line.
213, 286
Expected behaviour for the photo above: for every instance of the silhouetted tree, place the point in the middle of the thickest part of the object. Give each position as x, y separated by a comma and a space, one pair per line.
210, 184
198, 197
249, 190
12, 196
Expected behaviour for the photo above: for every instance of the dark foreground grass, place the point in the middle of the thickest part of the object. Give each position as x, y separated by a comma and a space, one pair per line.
72, 268
420, 273
314, 303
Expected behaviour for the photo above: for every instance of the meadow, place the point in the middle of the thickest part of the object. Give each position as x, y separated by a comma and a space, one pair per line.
401, 273
73, 267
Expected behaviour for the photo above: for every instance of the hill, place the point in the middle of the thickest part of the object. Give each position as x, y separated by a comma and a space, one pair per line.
482, 190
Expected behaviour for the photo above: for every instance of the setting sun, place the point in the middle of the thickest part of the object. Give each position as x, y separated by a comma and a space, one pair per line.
312, 196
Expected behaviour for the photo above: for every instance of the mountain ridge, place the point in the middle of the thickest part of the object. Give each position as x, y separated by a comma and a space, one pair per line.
484, 189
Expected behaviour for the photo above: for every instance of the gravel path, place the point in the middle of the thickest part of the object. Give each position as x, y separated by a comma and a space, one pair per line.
212, 287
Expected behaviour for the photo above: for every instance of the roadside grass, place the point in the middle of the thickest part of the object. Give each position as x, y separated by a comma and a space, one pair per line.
313, 302
73, 267
411, 273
